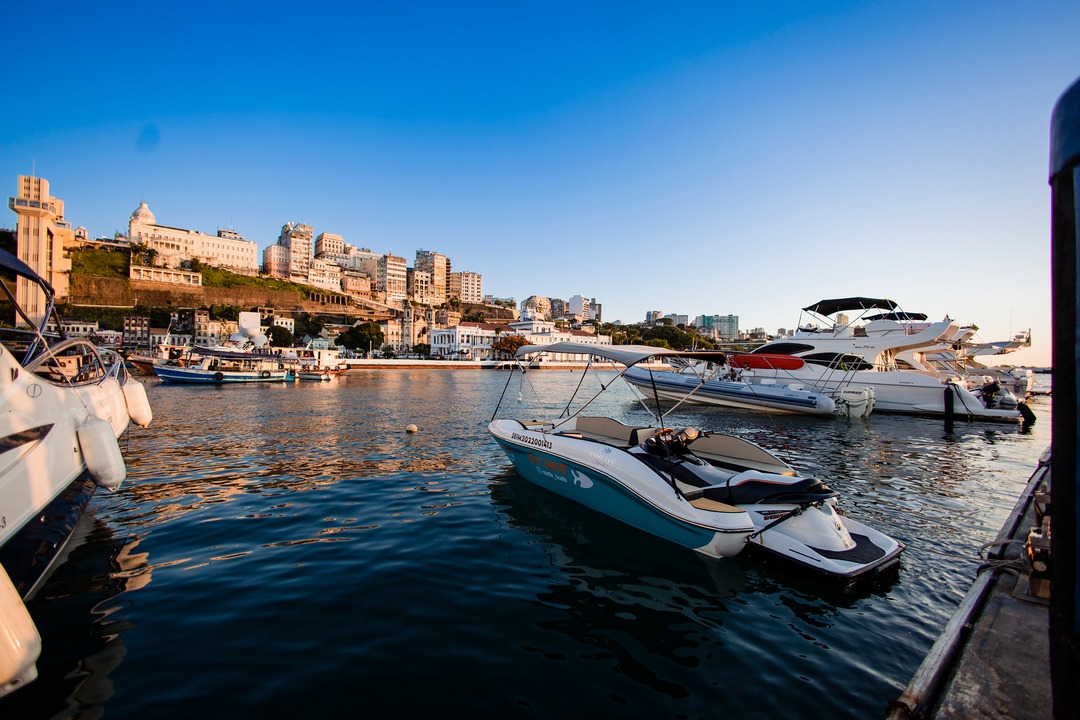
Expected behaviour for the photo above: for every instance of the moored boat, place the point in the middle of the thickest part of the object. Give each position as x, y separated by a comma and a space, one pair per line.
734, 381
210, 366
713, 493
863, 351
65, 403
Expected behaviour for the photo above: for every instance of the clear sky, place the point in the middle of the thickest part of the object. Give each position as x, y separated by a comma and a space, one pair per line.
689, 157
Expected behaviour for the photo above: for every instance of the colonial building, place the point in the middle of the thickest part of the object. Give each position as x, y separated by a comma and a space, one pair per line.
174, 246
474, 341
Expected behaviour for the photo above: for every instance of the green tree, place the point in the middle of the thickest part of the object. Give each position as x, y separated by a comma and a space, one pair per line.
422, 349
280, 337
672, 337
362, 337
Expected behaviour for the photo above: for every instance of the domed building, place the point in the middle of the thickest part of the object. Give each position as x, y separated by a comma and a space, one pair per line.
174, 246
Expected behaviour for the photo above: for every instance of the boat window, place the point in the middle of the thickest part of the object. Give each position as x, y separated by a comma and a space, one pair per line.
782, 348
838, 360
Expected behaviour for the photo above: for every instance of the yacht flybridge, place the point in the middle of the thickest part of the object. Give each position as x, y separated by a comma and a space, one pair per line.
716, 494
867, 350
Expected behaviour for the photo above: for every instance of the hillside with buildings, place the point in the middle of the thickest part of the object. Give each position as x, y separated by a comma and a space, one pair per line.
159, 280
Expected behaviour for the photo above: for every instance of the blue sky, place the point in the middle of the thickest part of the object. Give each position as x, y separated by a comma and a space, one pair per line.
688, 157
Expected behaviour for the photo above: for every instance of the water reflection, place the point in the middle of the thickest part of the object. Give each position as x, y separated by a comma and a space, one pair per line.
305, 519
79, 615
627, 600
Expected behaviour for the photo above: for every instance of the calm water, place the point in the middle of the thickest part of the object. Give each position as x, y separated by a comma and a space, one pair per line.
289, 551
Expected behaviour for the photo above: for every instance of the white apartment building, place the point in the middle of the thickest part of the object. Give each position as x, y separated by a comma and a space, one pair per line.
578, 307
227, 249
472, 287
391, 277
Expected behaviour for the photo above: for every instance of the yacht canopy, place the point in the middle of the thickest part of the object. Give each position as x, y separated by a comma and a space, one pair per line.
13, 264
828, 307
898, 316
627, 355
228, 354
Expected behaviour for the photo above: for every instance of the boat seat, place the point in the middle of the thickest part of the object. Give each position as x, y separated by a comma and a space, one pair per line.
610, 431
750, 492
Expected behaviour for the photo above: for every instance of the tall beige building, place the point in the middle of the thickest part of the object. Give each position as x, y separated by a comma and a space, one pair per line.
42, 236
329, 244
437, 266
300, 241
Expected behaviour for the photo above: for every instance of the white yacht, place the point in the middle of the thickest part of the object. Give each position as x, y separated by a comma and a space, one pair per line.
865, 350
63, 404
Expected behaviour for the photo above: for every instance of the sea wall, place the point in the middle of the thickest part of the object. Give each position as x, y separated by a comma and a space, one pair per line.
115, 292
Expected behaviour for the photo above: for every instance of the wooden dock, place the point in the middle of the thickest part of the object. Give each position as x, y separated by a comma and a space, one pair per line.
993, 658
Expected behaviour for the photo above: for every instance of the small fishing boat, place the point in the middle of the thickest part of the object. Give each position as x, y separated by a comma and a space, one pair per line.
311, 372
714, 493
64, 403
212, 366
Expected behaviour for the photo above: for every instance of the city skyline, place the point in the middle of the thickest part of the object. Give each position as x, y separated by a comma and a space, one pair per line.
698, 159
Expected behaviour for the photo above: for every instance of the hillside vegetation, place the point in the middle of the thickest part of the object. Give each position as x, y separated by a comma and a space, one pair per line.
117, 264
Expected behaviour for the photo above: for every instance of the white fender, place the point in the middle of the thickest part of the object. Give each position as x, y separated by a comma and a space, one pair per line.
20, 644
138, 405
101, 453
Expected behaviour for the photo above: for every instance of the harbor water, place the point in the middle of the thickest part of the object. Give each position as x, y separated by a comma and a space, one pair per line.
283, 551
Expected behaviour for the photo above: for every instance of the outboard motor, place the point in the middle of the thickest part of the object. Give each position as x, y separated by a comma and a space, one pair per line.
989, 392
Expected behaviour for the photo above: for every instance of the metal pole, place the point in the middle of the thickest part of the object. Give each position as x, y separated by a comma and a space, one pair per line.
1064, 614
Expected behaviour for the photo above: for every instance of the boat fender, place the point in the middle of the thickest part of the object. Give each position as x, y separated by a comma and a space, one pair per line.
20, 644
218, 377
1026, 413
101, 453
138, 406
266, 373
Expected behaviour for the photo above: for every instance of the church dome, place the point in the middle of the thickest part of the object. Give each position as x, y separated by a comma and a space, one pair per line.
143, 215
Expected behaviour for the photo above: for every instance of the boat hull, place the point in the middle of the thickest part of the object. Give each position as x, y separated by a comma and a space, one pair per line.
677, 386
903, 392
198, 376
824, 542
611, 481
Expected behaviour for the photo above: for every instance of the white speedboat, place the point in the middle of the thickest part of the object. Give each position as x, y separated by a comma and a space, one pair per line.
65, 403
864, 351
713, 493
733, 381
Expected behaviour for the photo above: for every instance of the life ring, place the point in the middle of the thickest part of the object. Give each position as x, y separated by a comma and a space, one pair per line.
218, 377
266, 373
